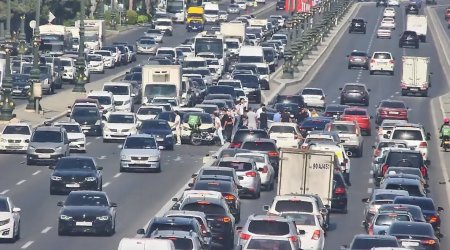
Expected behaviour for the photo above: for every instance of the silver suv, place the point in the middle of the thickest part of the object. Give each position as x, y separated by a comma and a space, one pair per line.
350, 135
47, 145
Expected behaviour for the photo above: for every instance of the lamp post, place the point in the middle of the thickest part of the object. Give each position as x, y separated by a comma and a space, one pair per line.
35, 72
22, 28
6, 102
8, 21
81, 61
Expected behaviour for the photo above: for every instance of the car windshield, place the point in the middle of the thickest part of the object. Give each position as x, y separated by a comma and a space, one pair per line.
219, 172
413, 135
382, 56
167, 116
94, 57
268, 227
163, 23
387, 219
169, 227
249, 81
406, 229
355, 112
103, 100
149, 111
256, 158
302, 219
260, 146
75, 164
166, 52
312, 92
14, 130
238, 166
153, 31
425, 204
342, 128
147, 41
269, 244
155, 125
294, 206
140, 143
116, 118
117, 90
47, 136
205, 207
364, 243
282, 129
85, 112
86, 199
72, 128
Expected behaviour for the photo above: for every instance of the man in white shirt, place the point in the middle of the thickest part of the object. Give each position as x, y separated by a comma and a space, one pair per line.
177, 125
259, 111
219, 129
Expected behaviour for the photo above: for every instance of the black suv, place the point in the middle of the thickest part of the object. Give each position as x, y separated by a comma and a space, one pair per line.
409, 39
298, 99
281, 5
357, 25
412, 8
382, 3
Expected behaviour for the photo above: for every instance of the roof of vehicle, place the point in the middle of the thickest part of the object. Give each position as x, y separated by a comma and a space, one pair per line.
116, 84
284, 124
99, 93
237, 159
355, 84
389, 191
174, 234
259, 140
49, 128
402, 181
66, 123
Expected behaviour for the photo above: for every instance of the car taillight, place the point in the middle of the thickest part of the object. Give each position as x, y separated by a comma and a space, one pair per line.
316, 235
392, 61
245, 236
370, 229
293, 238
433, 219
229, 197
403, 85
383, 111
423, 144
250, 174
273, 154
322, 98
384, 169
424, 171
377, 152
339, 190
350, 58
428, 242
265, 169
235, 145
224, 219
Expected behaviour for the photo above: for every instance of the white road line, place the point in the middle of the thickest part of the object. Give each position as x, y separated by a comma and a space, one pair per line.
37, 172
117, 175
177, 158
369, 190
102, 157
98, 137
370, 180
26, 245
20, 182
106, 184
371, 172
46, 230
334, 101
4, 191
392, 96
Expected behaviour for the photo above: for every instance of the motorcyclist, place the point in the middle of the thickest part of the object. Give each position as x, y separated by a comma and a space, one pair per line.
444, 131
194, 122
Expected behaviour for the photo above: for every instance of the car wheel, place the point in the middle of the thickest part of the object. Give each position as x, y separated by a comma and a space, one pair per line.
61, 232
158, 170
29, 162
349, 67
371, 72
17, 236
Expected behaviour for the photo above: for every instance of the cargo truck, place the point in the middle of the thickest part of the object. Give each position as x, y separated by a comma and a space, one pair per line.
94, 33
415, 75
161, 81
195, 20
234, 34
418, 24
55, 39
306, 172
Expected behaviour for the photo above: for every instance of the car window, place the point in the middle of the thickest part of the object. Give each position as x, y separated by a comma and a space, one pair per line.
242, 135
216, 172
386, 196
268, 227
238, 166
294, 205
223, 187
363, 54
47, 136
423, 229
260, 146
269, 244
387, 219
425, 204
22, 130
354, 87
84, 199
362, 243
382, 56
140, 143
282, 129
392, 105
414, 135
343, 128
205, 207
355, 112
403, 159
4, 206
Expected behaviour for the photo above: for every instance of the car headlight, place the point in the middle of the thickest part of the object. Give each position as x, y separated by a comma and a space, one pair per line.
90, 178
106, 129
3, 140
56, 178
31, 147
4, 222
65, 217
103, 218
124, 157
58, 148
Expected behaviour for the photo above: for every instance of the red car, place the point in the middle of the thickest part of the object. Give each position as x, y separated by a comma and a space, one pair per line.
361, 116
392, 110
447, 13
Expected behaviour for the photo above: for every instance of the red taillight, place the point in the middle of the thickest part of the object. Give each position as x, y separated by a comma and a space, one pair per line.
245, 236
339, 190
377, 152
229, 197
250, 174
424, 171
370, 229
273, 154
265, 169
224, 219
423, 144
293, 238
316, 235
428, 242
433, 219
392, 61
403, 85
350, 58
235, 145
372, 61
383, 112
384, 169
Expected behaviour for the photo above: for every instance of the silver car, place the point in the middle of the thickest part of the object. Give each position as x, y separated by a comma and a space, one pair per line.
234, 9
140, 152
217, 171
350, 135
180, 238
265, 168
47, 145
147, 45
383, 220
269, 242
200, 217
245, 168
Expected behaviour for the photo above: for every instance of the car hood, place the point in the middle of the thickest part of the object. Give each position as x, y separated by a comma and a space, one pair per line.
73, 173
121, 98
120, 125
5, 216
86, 120
85, 210
45, 144
156, 132
140, 152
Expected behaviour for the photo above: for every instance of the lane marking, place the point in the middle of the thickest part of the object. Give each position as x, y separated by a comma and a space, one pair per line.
20, 182
4, 191
98, 137
88, 143
334, 101
26, 245
46, 230
371, 172
102, 157
178, 158
117, 175
106, 184
371, 181
37, 172
369, 190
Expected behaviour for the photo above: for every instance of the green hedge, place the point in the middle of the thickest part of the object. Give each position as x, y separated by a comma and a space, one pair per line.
132, 17
142, 19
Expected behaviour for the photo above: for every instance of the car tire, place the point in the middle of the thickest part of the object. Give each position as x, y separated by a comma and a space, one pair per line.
105, 140
371, 72
404, 93
158, 170
30, 162
17, 236
53, 192
61, 232
392, 73
349, 67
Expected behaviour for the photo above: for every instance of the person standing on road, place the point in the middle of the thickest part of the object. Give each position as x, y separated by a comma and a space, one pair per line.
285, 116
277, 116
228, 124
263, 119
218, 127
252, 120
177, 126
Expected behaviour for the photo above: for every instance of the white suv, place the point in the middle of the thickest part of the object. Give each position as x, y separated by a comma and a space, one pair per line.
287, 135
382, 62
70, 71
123, 95
414, 135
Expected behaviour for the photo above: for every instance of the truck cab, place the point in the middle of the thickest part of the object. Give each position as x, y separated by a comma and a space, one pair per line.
195, 20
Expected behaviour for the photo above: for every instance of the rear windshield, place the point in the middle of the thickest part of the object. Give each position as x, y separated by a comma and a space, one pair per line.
217, 172
170, 227
269, 244
387, 219
385, 196
312, 92
207, 208
242, 135
260, 146
268, 227
425, 204
400, 159
358, 54
370, 243
212, 186
343, 128
354, 112
282, 129
382, 56
414, 135
413, 190
238, 166
421, 229
291, 206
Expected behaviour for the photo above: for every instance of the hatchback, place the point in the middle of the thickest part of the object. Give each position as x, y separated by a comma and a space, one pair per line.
247, 170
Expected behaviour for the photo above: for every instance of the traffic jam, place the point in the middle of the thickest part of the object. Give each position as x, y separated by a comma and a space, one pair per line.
208, 92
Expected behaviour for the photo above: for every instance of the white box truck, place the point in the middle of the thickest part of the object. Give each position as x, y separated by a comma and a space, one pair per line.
234, 34
211, 12
417, 23
161, 81
415, 75
306, 172
94, 33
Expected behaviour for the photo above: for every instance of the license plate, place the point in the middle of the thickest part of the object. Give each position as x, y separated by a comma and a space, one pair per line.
414, 89
410, 244
73, 185
84, 223
393, 113
159, 139
141, 162
14, 144
44, 156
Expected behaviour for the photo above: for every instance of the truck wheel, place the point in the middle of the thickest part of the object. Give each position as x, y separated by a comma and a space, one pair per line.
404, 93
425, 94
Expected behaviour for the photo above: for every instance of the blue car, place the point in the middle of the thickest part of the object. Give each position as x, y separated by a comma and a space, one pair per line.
314, 123
161, 130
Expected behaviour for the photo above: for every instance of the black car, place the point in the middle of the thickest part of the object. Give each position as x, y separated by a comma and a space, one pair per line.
403, 158
355, 93
415, 211
20, 85
160, 129
228, 189
364, 241
252, 83
124, 54
89, 118
409, 39
412, 9
357, 25
135, 77
339, 196
281, 5
429, 209
219, 89
313, 124
382, 3
75, 173
417, 235
244, 134
334, 110
87, 212
290, 107
291, 99
265, 146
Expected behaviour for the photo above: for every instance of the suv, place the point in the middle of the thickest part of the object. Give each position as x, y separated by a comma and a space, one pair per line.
244, 134
358, 59
354, 93
409, 39
48, 144
268, 146
350, 135
381, 62
357, 25
123, 95
413, 134
401, 157
105, 99
180, 239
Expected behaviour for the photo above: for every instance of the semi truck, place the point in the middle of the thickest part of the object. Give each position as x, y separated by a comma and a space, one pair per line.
161, 81
415, 75
306, 172
417, 23
94, 33
55, 39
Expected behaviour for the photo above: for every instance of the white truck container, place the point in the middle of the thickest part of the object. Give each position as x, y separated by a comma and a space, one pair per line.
94, 33
233, 30
306, 172
55, 39
415, 75
417, 23
251, 54
161, 81
145, 244
75, 37
211, 12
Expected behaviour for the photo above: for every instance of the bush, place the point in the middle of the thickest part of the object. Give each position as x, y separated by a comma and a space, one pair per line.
132, 17
142, 19
108, 17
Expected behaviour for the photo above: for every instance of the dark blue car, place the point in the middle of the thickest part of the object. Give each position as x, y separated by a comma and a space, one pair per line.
313, 123
161, 130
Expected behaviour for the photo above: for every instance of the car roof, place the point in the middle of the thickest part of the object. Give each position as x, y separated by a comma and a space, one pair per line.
99, 92
237, 159
18, 124
284, 124
217, 168
140, 136
116, 84
121, 113
65, 123
49, 128
394, 180
174, 220
389, 191
174, 234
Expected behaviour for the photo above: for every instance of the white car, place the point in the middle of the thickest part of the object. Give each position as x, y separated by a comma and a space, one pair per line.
9, 219
384, 32
389, 12
186, 49
286, 134
314, 97
104, 98
382, 62
77, 139
312, 235
265, 168
414, 135
69, 67
148, 112
164, 100
242, 5
108, 58
223, 16
95, 63
15, 137
119, 125
388, 22
123, 95
387, 126
165, 25
155, 34
393, 3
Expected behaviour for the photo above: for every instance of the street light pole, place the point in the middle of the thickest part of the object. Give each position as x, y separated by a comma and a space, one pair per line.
35, 72
6, 102
81, 61
22, 36
8, 21
2, 32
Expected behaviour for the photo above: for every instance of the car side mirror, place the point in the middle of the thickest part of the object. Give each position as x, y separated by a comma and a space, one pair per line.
368, 90
374, 147
190, 184
51, 167
340, 88
266, 208
16, 210
365, 200
113, 204
140, 231
194, 175
440, 209
386, 136
100, 168
60, 204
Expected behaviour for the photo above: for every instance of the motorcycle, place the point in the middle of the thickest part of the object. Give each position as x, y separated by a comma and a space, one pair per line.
199, 137
445, 143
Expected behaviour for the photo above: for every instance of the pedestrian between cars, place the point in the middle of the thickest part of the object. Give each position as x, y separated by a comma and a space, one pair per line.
252, 120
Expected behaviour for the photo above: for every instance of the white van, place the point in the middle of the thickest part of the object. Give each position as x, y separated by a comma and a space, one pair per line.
145, 244
211, 12
123, 95
251, 54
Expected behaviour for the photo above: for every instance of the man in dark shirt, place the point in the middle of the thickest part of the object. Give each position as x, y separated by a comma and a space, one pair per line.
285, 116
302, 115
263, 119
227, 124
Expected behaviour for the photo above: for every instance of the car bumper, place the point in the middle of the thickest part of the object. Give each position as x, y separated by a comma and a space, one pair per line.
353, 99
249, 187
146, 51
338, 203
383, 35
382, 68
351, 147
357, 64
315, 104
67, 186
309, 244
96, 69
142, 165
71, 227
13, 147
7, 231
44, 158
77, 145
115, 135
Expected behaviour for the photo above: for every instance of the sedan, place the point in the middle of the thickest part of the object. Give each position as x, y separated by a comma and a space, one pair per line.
87, 212
75, 173
415, 235
140, 152
392, 110
358, 59
361, 116
355, 93
388, 22
233, 9
20, 85
9, 219
384, 32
